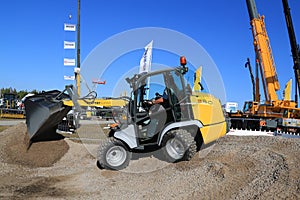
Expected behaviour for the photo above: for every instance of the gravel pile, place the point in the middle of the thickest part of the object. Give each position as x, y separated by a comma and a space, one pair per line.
234, 167
18, 150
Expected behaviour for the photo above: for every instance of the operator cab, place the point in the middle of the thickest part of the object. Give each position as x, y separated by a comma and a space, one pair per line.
158, 116
157, 100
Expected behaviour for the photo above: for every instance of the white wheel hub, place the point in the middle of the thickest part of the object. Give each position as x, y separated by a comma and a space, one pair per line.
116, 156
175, 148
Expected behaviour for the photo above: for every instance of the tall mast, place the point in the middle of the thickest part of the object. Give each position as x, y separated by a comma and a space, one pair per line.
294, 45
77, 72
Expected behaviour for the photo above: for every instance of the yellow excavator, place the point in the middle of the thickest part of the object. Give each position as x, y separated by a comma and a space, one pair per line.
273, 113
178, 125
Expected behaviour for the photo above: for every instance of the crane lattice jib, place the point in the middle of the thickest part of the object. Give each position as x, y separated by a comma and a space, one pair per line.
264, 53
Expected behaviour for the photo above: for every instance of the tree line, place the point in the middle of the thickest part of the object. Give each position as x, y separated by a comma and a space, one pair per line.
20, 94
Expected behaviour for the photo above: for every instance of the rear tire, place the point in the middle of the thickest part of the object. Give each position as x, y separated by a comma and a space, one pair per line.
113, 154
179, 145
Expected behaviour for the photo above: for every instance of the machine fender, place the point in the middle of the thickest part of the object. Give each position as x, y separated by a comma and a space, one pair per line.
128, 136
178, 125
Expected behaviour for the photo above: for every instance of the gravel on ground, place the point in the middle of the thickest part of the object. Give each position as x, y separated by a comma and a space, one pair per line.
249, 167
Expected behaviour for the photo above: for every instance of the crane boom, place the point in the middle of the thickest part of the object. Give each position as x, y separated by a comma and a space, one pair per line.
248, 65
273, 114
293, 43
263, 53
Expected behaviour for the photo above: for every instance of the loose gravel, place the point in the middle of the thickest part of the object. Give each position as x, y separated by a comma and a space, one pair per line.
249, 167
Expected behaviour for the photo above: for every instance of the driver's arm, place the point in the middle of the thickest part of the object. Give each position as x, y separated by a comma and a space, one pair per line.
158, 100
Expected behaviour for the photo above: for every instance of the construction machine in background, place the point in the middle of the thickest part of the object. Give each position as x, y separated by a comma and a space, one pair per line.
231, 107
178, 125
272, 114
9, 107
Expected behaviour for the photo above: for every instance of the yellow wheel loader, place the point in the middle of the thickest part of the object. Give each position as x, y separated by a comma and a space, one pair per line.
162, 113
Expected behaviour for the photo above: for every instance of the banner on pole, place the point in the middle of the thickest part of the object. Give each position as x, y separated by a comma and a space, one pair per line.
145, 62
69, 45
69, 27
69, 78
69, 61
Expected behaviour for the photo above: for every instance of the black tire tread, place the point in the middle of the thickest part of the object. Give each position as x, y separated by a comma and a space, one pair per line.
186, 138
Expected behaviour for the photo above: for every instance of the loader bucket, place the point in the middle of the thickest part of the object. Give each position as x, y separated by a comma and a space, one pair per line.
43, 113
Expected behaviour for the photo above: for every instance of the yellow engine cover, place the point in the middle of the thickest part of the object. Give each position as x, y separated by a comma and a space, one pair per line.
208, 110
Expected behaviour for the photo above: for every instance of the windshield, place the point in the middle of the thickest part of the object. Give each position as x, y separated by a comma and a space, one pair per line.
247, 106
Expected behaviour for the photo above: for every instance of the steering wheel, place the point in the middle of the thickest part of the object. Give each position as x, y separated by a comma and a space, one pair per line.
147, 104
154, 108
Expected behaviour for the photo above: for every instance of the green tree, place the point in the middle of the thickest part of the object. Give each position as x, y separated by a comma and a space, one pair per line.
22, 93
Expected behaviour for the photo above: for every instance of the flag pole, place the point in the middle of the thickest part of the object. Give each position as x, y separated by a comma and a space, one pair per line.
150, 62
77, 72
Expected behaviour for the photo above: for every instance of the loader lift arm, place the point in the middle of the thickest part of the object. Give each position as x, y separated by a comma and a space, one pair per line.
44, 112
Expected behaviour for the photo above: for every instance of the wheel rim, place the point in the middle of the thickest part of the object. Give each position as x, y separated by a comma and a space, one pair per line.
116, 156
175, 148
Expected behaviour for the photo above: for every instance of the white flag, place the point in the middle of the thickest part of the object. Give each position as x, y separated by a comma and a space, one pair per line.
145, 62
69, 78
69, 62
69, 27
69, 45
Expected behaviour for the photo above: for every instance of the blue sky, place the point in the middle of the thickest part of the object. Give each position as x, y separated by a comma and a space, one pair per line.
32, 38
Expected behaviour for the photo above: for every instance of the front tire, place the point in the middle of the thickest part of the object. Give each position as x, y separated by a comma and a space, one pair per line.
179, 145
113, 154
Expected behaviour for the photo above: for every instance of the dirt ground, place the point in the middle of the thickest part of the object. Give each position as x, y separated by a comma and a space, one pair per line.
234, 167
